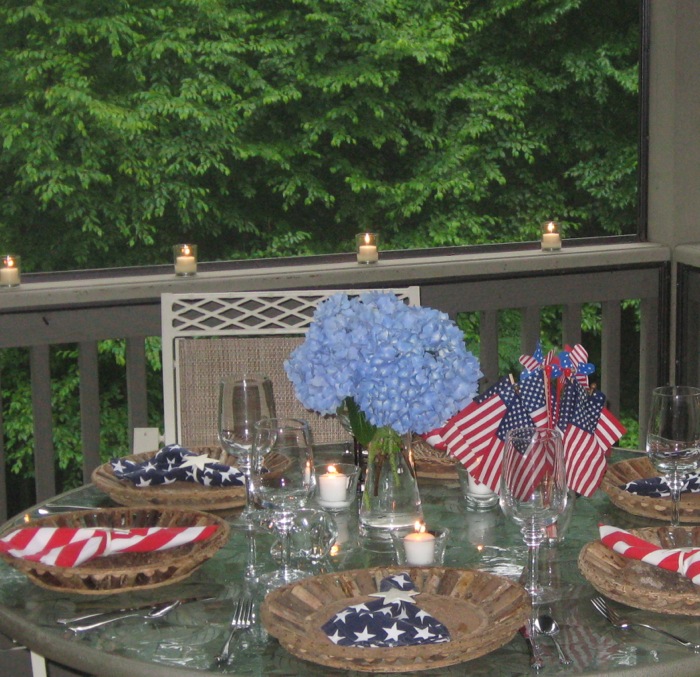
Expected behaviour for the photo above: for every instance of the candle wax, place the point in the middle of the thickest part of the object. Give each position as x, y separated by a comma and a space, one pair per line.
185, 265
478, 488
420, 548
551, 241
332, 487
9, 277
367, 253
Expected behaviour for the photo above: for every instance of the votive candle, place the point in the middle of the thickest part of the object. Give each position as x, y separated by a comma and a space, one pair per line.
9, 271
419, 546
551, 238
367, 247
185, 259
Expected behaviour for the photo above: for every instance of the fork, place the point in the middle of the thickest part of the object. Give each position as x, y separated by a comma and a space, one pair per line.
615, 619
243, 617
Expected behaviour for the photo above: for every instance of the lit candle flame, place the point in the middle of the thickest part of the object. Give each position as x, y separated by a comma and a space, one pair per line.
335, 549
10, 262
552, 227
186, 250
367, 238
332, 470
419, 527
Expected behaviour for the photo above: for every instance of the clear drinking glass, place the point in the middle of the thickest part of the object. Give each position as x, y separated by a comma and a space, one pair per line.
673, 437
533, 494
244, 399
282, 480
533, 487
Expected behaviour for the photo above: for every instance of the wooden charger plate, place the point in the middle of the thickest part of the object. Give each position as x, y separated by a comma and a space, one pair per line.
482, 611
190, 495
432, 463
124, 572
642, 585
656, 508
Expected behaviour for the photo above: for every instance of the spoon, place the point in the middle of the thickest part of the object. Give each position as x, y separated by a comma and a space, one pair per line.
546, 625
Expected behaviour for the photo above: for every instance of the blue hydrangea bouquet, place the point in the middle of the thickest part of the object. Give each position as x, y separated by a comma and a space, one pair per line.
394, 368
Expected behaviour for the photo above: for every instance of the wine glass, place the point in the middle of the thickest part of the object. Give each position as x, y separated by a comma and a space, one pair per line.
673, 437
282, 480
533, 489
243, 400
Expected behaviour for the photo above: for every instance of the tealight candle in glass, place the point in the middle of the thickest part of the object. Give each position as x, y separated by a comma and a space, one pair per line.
476, 495
336, 485
9, 271
185, 258
420, 547
367, 247
551, 237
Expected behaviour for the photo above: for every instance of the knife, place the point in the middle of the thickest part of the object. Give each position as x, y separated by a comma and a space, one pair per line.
147, 610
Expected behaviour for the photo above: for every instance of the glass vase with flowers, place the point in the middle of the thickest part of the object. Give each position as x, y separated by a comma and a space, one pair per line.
393, 370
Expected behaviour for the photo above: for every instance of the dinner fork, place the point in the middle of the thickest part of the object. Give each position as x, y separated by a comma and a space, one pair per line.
243, 617
615, 619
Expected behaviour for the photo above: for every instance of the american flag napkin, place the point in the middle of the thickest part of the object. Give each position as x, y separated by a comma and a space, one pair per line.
657, 487
70, 547
685, 561
393, 619
175, 463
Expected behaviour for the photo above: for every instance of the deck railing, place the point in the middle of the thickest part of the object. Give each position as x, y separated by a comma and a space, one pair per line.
85, 308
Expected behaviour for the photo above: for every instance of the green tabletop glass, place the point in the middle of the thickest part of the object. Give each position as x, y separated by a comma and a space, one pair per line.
186, 641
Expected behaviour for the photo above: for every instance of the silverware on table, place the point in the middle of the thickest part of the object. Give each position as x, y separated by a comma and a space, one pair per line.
155, 612
546, 625
623, 624
243, 617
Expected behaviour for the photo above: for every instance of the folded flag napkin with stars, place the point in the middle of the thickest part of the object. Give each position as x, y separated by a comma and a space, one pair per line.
70, 547
177, 464
657, 487
684, 561
393, 619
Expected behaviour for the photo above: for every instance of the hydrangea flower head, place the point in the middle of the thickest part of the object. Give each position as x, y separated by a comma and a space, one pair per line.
406, 367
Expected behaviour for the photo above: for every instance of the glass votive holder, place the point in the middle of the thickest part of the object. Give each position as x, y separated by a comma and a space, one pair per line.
367, 247
476, 495
185, 259
10, 270
420, 548
551, 237
336, 485
312, 534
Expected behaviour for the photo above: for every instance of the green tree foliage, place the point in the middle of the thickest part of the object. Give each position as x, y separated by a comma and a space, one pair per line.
263, 128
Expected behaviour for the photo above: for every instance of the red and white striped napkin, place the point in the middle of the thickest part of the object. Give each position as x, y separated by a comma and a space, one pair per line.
685, 561
69, 547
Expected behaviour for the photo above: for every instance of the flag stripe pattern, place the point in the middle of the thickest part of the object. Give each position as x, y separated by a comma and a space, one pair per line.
682, 560
70, 547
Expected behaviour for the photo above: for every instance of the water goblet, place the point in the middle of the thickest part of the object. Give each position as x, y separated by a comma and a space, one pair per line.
533, 490
282, 480
244, 399
673, 438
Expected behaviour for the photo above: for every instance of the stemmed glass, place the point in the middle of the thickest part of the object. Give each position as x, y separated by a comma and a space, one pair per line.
244, 399
673, 438
533, 494
282, 480
533, 488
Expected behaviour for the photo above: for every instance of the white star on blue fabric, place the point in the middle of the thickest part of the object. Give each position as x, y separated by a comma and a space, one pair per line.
395, 595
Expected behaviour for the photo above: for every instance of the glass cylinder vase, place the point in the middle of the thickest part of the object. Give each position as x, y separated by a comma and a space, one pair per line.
390, 500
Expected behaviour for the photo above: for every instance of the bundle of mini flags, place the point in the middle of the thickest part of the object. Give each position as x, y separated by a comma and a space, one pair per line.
685, 561
70, 547
553, 391
392, 620
177, 464
657, 487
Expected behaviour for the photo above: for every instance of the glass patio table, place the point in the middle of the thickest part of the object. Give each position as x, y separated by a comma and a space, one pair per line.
186, 641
